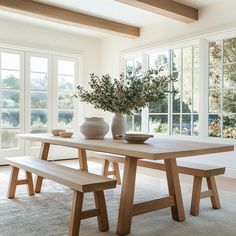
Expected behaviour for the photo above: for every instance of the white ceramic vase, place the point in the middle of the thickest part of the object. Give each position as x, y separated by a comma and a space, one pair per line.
118, 126
94, 128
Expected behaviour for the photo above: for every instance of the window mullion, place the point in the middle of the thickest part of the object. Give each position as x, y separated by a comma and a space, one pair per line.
203, 92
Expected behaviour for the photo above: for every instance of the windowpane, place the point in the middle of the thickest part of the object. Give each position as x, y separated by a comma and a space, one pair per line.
65, 101
39, 100
161, 107
230, 76
214, 101
230, 50
66, 67
137, 123
138, 65
187, 102
195, 125
214, 78
176, 103
129, 66
176, 124
10, 79
10, 61
10, 118
229, 126
187, 58
39, 119
186, 124
229, 101
159, 60
177, 58
178, 76
39, 81
65, 118
215, 53
196, 80
65, 83
196, 102
214, 126
10, 98
158, 123
129, 123
8, 139
196, 57
39, 64
187, 80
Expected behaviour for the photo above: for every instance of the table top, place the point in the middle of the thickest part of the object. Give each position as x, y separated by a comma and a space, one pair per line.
153, 149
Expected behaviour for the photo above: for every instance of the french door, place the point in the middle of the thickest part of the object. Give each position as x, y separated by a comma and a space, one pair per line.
35, 96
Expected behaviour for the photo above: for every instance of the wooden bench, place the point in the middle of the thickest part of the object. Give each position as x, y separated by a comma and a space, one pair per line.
80, 181
199, 172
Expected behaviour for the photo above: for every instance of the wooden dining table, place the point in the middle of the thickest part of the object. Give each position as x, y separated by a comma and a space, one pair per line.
154, 149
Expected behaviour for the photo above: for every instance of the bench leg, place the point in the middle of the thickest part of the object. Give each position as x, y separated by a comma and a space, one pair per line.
115, 170
215, 201
102, 217
76, 212
29, 179
13, 182
105, 168
196, 195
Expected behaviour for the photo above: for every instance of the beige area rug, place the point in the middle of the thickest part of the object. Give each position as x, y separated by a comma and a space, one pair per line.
47, 214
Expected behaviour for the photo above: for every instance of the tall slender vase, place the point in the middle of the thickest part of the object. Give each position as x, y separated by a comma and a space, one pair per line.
118, 125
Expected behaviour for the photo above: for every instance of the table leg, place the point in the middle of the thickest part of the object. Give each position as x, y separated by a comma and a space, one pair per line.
127, 196
174, 189
43, 156
83, 163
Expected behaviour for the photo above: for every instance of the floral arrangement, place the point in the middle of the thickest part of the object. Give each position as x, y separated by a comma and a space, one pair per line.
127, 94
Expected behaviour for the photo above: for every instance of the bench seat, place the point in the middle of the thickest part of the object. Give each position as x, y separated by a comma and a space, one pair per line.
80, 181
199, 171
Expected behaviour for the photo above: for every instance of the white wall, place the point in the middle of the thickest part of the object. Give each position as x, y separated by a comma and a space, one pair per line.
27, 35
220, 17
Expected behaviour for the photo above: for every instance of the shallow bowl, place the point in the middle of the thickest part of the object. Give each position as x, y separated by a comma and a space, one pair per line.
66, 134
56, 132
136, 138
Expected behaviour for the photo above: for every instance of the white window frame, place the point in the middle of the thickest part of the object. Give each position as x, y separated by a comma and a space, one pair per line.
203, 42
20, 148
24, 52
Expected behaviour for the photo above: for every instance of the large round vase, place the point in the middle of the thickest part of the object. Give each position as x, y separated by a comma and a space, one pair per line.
118, 126
94, 128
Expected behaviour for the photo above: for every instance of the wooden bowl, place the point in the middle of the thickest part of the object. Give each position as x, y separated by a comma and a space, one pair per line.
66, 134
56, 132
136, 138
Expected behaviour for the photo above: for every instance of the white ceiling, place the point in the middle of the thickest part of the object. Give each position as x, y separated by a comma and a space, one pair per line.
108, 9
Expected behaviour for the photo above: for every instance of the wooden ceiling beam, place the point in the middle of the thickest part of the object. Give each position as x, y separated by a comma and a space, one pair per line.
68, 17
168, 8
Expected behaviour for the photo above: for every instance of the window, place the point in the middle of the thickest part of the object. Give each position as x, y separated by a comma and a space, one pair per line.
174, 115
185, 105
35, 96
158, 116
179, 114
10, 98
222, 89
134, 67
65, 89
